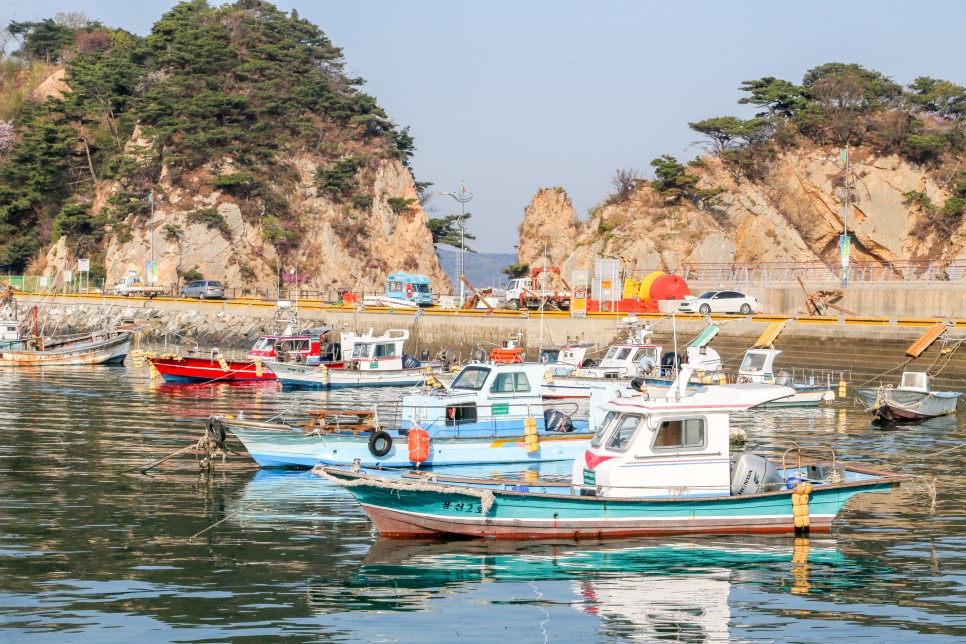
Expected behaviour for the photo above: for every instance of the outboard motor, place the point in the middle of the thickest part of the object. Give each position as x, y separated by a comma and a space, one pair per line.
638, 384
752, 474
409, 361
557, 421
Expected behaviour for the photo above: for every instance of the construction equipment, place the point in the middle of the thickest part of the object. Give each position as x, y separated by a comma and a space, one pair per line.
477, 297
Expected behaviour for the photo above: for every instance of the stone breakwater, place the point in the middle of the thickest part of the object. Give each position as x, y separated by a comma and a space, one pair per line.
862, 353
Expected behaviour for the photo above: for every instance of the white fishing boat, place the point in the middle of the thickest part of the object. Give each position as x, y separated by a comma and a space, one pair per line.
913, 399
492, 413
370, 361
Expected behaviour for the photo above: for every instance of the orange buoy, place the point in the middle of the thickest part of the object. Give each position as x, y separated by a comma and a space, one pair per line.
418, 445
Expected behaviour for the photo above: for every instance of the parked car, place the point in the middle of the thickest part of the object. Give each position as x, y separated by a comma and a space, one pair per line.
204, 290
720, 302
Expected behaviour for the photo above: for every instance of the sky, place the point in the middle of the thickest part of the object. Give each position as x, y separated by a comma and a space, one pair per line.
510, 96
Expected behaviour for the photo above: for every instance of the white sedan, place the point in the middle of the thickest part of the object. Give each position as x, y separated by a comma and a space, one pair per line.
720, 302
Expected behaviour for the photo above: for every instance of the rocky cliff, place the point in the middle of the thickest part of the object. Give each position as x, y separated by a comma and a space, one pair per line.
791, 211
339, 247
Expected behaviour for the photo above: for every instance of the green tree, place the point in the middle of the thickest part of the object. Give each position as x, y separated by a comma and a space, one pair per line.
514, 271
43, 40
778, 97
939, 96
446, 230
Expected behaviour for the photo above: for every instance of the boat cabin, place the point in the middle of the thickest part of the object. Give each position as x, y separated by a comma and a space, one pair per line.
307, 347
488, 397
758, 366
674, 447
368, 352
915, 381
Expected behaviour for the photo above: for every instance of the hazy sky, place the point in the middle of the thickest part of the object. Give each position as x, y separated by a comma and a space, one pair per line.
511, 96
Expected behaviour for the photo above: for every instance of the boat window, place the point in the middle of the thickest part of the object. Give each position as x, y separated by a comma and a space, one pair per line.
471, 378
611, 353
753, 362
623, 353
386, 350
603, 429
915, 380
626, 427
360, 351
676, 434
512, 382
262, 344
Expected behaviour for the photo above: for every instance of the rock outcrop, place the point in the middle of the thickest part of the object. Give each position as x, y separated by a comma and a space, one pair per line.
792, 211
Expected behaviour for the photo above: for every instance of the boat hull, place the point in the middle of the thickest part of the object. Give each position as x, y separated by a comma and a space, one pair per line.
292, 375
899, 405
424, 510
195, 369
92, 350
281, 446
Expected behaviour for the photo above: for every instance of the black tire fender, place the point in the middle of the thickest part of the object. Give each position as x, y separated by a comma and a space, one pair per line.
380, 443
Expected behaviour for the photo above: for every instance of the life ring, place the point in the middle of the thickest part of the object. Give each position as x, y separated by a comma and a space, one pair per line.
380, 443
409, 290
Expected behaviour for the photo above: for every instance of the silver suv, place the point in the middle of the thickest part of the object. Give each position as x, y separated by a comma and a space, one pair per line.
204, 289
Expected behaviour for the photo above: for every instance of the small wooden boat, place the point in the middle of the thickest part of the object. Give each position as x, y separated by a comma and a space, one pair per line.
491, 413
654, 467
370, 361
22, 348
913, 399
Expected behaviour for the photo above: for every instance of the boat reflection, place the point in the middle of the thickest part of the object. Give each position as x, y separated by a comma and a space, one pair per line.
640, 586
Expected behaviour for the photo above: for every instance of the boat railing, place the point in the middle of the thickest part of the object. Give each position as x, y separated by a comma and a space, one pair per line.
808, 464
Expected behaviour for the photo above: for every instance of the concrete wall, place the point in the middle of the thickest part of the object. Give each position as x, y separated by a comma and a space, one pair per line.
867, 353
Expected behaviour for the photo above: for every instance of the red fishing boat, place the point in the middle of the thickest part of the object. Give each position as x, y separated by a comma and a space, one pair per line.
310, 346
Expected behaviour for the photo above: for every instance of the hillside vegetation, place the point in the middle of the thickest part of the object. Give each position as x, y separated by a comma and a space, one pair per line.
213, 99
773, 187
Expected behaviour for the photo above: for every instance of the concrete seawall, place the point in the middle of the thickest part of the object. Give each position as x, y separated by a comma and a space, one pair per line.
867, 351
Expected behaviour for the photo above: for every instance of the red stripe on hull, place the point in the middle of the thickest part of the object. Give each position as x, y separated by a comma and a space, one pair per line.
203, 369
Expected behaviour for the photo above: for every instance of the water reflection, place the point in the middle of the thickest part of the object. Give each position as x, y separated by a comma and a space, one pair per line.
90, 554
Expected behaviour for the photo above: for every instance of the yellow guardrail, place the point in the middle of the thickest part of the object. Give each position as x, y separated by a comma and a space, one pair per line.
319, 305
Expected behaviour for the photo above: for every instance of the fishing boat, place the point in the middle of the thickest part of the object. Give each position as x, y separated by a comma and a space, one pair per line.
758, 365
913, 399
370, 361
625, 360
491, 413
20, 347
654, 467
287, 344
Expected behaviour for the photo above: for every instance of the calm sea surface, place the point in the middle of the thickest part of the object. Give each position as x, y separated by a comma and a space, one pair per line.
89, 553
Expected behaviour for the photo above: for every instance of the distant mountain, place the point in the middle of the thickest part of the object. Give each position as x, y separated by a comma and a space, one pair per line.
481, 269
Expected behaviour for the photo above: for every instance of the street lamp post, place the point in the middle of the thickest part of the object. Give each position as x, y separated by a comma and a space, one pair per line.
461, 196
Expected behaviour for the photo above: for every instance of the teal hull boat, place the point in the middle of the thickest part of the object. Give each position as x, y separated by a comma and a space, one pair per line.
404, 508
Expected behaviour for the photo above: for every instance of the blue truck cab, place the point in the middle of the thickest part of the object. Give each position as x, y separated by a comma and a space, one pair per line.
409, 287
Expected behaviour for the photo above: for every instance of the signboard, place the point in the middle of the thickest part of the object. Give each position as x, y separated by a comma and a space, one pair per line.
68, 275
152, 272
501, 409
83, 266
578, 305
590, 477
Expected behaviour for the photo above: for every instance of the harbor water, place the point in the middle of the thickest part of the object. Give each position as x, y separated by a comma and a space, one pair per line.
92, 550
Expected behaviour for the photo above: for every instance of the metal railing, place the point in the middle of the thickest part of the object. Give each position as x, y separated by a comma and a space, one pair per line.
819, 274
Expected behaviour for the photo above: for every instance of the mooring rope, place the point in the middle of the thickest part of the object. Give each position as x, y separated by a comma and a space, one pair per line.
253, 503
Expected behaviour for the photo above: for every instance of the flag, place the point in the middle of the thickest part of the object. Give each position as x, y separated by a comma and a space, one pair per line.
844, 247
846, 155
151, 197
462, 192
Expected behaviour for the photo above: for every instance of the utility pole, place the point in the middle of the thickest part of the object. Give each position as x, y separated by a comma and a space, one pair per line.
461, 196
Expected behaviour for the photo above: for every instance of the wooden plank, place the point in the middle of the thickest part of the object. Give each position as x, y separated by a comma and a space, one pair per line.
767, 338
916, 348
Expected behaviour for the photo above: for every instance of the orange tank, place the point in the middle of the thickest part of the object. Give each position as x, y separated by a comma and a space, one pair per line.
418, 443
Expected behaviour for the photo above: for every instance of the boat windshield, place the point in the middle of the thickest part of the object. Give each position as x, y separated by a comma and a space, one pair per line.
603, 429
471, 378
361, 351
753, 362
620, 439
618, 353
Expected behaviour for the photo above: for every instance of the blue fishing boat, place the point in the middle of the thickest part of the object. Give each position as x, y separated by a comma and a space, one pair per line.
654, 467
491, 413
